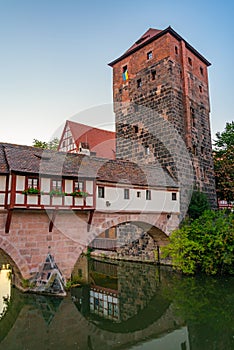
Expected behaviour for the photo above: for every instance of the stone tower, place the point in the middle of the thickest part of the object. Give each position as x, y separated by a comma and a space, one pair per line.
162, 80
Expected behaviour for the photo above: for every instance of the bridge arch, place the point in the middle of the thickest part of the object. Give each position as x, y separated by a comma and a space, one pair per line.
16, 260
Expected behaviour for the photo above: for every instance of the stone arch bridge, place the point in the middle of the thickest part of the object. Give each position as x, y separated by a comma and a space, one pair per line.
34, 233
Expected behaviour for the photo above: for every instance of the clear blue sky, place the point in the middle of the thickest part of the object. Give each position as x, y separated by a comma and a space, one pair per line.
54, 56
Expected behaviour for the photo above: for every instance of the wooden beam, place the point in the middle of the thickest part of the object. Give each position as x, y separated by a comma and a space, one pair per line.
8, 220
52, 220
91, 212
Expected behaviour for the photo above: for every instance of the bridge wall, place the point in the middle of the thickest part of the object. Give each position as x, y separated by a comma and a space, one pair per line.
29, 240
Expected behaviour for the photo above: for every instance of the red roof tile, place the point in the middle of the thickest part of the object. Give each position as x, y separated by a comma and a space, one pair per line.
100, 141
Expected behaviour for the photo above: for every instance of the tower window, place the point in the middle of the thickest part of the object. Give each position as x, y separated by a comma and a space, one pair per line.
200, 88
153, 74
148, 195
136, 129
176, 50
138, 194
149, 55
126, 193
202, 150
136, 108
201, 71
125, 73
147, 150
190, 61
139, 83
173, 196
101, 192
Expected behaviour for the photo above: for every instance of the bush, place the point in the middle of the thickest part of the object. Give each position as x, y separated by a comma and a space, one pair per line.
205, 244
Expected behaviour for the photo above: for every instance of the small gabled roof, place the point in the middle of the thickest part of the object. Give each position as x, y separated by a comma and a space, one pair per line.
153, 34
32, 160
100, 141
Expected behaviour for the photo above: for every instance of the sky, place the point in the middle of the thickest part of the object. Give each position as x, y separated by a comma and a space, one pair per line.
55, 54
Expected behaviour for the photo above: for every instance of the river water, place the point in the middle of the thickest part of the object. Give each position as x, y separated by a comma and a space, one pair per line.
121, 306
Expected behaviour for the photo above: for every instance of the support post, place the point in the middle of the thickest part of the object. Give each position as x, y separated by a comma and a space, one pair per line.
52, 220
8, 220
91, 212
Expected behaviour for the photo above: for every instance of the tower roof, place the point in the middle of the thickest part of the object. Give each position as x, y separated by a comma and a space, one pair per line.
153, 34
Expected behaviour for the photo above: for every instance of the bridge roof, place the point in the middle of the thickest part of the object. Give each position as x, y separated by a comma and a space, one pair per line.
31, 160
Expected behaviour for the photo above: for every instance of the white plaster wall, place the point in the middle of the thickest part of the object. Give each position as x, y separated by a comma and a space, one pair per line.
9, 185
2, 183
89, 201
45, 199
20, 183
2, 199
68, 186
56, 200
32, 199
19, 198
160, 201
68, 200
89, 187
45, 184
79, 201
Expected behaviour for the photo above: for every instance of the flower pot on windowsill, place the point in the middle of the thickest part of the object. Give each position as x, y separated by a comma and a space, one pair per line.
55, 193
80, 194
32, 192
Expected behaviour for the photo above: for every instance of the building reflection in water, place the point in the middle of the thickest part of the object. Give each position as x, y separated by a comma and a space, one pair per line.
5, 288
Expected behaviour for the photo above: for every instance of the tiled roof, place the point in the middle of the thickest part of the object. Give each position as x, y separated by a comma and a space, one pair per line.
149, 34
32, 160
100, 141
153, 34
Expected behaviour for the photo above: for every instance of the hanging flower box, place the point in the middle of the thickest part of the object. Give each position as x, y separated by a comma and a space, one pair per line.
57, 193
32, 191
79, 194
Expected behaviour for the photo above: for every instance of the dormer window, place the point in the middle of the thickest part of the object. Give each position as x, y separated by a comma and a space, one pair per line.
149, 55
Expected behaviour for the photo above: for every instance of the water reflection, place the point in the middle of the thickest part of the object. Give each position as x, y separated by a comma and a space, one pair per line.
124, 306
5, 288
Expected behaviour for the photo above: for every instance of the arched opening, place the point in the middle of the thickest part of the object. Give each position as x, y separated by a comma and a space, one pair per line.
131, 240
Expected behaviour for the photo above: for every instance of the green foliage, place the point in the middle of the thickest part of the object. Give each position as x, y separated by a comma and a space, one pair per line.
46, 145
73, 282
32, 191
224, 163
198, 205
205, 244
79, 194
57, 193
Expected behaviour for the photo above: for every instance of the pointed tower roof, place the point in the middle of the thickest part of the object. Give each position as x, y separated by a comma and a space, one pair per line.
153, 34
149, 34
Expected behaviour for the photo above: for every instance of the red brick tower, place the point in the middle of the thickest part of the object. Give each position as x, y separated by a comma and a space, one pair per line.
164, 73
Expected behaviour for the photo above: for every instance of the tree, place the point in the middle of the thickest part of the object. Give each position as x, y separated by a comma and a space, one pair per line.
224, 163
198, 204
205, 244
46, 145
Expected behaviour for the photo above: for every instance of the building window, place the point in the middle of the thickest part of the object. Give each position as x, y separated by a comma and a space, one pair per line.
173, 196
57, 185
139, 83
200, 88
78, 186
202, 150
101, 192
136, 129
125, 73
147, 150
138, 194
192, 112
149, 55
176, 50
148, 195
153, 74
190, 61
126, 193
32, 182
201, 71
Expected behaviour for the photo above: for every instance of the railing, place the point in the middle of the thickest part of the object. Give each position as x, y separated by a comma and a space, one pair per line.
104, 244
